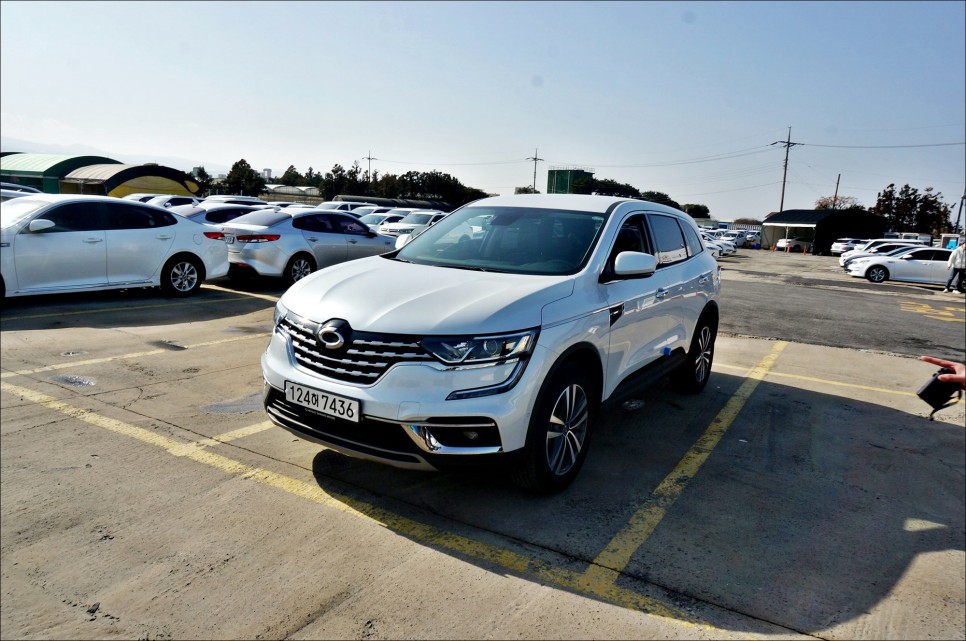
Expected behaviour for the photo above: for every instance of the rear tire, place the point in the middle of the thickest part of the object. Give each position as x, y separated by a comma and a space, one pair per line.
299, 266
181, 276
559, 432
693, 375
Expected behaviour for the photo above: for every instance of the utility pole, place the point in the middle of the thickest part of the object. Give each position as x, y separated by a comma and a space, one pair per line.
788, 145
835, 198
534, 159
369, 171
959, 213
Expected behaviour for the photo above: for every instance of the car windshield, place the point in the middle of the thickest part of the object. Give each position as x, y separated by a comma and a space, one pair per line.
263, 217
373, 219
15, 210
515, 240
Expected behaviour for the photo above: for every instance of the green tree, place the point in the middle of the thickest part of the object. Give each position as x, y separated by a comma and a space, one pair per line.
838, 202
696, 211
292, 177
243, 180
608, 187
525, 190
747, 221
910, 210
660, 198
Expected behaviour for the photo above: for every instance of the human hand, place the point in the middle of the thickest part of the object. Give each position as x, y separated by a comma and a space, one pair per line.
959, 370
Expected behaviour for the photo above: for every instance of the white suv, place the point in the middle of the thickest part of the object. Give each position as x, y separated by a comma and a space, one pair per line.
498, 346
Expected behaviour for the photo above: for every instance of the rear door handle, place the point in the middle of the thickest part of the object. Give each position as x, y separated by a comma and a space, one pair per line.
91, 241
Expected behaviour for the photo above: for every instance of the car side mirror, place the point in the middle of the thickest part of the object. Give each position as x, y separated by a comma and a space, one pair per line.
634, 265
40, 224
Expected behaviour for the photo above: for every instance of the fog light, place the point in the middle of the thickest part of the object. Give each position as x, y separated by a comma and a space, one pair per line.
471, 435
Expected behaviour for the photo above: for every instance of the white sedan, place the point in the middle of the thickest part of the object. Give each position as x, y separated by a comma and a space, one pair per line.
924, 265
51, 244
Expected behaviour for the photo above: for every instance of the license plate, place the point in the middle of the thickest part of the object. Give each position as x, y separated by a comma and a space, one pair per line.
322, 402
229, 239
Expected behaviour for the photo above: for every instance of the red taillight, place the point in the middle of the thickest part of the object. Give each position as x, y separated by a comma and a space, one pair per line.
257, 238
215, 235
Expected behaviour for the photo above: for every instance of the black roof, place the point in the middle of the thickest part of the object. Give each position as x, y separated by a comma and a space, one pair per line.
806, 216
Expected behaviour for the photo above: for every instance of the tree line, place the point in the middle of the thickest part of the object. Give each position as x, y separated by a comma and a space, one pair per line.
907, 209
431, 185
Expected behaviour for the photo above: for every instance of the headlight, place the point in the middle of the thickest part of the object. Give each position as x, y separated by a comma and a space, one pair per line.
456, 350
280, 312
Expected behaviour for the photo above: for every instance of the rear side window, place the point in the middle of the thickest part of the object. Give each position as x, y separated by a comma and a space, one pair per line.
694, 243
351, 226
668, 239
313, 222
126, 217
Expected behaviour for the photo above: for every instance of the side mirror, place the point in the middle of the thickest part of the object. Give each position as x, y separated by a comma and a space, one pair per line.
634, 265
40, 224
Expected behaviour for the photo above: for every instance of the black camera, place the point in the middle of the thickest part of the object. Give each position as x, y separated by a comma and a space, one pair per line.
939, 394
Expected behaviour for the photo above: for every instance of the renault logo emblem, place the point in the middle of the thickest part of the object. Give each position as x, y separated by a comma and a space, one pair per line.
330, 336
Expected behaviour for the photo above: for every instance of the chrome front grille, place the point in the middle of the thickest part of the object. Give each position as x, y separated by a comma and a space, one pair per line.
362, 359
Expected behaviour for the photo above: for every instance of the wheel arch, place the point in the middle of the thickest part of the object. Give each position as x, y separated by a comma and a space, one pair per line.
584, 356
182, 255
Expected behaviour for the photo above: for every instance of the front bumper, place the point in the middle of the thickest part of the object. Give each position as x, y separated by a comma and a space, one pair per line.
406, 420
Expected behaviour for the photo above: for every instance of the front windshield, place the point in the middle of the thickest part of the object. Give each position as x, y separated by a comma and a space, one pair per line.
516, 240
373, 219
16, 209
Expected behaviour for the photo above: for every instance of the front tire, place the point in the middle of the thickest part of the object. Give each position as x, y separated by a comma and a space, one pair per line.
693, 375
559, 432
181, 276
877, 274
300, 266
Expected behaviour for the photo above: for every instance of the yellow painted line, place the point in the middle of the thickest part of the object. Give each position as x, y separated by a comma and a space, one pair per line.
108, 310
108, 359
227, 437
615, 556
823, 381
268, 297
421, 532
948, 313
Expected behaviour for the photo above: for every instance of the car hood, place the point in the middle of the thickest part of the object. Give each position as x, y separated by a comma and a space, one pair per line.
380, 295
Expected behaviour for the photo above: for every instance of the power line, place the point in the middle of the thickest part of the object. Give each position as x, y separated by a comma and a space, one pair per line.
938, 144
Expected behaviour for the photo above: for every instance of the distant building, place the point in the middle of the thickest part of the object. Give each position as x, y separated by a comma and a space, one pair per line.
267, 174
560, 180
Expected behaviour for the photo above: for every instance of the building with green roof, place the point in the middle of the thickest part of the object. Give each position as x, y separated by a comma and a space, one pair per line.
44, 171
62, 174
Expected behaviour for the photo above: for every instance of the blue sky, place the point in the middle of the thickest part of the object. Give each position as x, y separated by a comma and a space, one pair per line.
684, 98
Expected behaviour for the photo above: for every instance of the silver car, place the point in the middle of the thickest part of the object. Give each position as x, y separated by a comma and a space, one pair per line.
295, 244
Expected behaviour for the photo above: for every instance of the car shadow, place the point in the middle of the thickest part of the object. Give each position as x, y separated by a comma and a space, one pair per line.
143, 306
807, 514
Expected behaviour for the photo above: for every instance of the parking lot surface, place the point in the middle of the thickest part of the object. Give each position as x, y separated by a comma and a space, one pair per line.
805, 493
